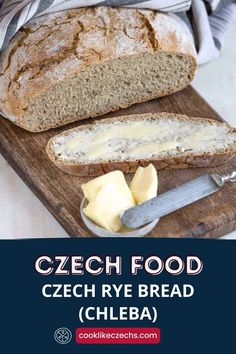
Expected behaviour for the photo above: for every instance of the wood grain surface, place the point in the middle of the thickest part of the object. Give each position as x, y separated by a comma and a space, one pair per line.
211, 217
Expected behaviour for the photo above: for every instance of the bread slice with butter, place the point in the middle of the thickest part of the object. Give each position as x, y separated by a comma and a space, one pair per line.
164, 139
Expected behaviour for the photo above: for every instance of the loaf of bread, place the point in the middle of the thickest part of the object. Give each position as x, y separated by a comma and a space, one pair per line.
166, 140
81, 63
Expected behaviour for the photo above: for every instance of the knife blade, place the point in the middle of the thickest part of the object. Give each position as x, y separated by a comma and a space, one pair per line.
174, 199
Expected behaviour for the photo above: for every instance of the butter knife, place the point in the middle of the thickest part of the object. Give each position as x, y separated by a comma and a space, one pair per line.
175, 199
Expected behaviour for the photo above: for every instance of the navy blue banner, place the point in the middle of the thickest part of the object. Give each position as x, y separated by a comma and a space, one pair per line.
96, 295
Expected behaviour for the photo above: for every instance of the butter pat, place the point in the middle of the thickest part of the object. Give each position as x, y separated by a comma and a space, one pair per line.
107, 205
144, 184
109, 196
92, 188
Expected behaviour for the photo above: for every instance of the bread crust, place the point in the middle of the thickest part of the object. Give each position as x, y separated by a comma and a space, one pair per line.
178, 162
59, 46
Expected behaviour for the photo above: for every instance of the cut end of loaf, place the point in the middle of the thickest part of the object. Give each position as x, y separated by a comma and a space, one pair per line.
108, 87
167, 140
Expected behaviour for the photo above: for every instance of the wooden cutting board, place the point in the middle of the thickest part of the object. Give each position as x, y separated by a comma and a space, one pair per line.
60, 193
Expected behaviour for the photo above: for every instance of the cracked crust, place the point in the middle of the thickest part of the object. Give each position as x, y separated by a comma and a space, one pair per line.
58, 46
181, 161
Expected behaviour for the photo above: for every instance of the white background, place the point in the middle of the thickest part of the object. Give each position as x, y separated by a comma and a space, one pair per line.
22, 215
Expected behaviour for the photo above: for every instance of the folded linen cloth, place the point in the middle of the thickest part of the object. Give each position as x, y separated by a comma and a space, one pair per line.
208, 20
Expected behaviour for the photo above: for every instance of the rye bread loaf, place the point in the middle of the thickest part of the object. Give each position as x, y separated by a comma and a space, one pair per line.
166, 140
76, 64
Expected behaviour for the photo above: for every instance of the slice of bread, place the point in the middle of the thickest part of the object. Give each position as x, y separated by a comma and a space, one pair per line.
166, 140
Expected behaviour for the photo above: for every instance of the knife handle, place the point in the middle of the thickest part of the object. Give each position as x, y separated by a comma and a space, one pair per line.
222, 179
230, 177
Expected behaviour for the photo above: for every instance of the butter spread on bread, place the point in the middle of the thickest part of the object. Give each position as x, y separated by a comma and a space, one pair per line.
166, 140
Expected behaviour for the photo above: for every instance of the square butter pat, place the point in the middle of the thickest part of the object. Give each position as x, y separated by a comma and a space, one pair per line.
107, 206
91, 188
144, 184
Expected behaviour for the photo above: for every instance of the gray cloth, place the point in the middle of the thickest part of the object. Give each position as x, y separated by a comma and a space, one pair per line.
207, 20
210, 25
